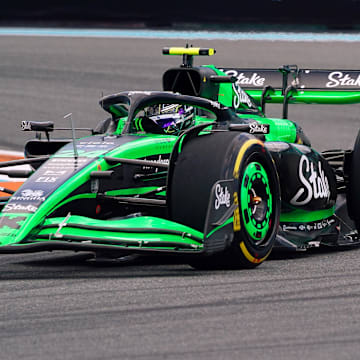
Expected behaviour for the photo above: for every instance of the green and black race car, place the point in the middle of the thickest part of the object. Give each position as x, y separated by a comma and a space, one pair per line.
195, 170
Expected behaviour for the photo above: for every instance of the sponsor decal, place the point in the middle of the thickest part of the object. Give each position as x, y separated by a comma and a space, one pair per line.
338, 78
241, 97
29, 195
46, 179
315, 183
259, 128
308, 227
159, 160
289, 227
95, 144
131, 93
19, 207
236, 221
254, 79
55, 172
64, 163
26, 126
222, 196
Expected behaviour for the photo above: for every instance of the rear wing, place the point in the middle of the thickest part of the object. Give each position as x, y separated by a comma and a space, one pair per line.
308, 79
289, 85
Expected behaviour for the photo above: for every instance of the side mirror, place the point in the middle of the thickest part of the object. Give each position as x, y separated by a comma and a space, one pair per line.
46, 126
101, 174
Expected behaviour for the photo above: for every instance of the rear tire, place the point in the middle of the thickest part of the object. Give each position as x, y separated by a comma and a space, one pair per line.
353, 193
202, 162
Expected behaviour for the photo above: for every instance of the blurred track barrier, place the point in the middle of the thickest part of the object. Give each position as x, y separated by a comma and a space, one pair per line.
342, 13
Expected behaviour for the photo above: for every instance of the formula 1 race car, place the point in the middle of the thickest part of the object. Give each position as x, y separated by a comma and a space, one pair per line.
195, 170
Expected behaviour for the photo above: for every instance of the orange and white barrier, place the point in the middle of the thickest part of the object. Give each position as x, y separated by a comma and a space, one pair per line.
5, 181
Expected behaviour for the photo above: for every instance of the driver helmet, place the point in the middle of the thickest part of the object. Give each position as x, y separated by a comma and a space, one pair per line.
171, 119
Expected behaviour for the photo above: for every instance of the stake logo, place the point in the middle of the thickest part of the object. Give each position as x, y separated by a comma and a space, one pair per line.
222, 196
26, 126
259, 128
19, 207
315, 183
337, 78
254, 79
241, 97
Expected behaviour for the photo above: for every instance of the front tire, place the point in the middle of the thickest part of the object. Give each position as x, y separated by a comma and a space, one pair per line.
206, 159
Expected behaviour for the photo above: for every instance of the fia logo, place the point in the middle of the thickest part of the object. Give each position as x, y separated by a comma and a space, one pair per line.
46, 179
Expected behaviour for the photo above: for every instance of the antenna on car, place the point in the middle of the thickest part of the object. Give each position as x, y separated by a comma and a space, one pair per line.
188, 53
76, 155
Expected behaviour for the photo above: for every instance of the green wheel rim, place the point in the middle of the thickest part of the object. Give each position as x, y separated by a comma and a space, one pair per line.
256, 202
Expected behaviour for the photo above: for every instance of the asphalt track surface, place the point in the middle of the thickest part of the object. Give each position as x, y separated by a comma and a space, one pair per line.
63, 306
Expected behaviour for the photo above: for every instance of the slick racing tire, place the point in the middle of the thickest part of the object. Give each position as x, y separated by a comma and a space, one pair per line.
243, 159
353, 193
